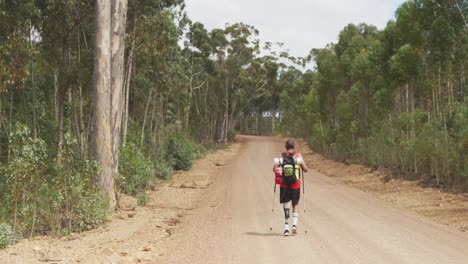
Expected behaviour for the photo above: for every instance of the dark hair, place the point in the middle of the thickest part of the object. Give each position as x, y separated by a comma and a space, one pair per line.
289, 144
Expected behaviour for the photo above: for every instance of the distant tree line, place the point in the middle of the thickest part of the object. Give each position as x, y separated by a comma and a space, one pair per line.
395, 97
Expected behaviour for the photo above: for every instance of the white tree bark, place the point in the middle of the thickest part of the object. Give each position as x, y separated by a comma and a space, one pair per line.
127, 85
108, 84
119, 21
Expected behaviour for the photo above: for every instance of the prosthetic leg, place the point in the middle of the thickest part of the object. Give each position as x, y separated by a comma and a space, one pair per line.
286, 208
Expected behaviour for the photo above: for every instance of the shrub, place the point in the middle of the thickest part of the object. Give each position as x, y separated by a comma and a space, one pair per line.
76, 203
163, 170
92, 211
136, 171
24, 174
143, 199
231, 135
181, 152
58, 197
7, 237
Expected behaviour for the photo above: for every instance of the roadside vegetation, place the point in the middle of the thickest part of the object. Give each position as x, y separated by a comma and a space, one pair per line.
65, 150
395, 97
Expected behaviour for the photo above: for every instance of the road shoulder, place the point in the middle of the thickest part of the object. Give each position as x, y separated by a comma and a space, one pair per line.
435, 204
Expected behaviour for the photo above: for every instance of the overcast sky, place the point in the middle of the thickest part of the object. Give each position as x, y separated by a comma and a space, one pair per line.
300, 24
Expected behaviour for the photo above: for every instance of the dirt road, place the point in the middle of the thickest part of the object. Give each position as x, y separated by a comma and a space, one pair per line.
220, 213
344, 225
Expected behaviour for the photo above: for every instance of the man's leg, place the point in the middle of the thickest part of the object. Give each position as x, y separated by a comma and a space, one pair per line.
286, 209
295, 204
295, 217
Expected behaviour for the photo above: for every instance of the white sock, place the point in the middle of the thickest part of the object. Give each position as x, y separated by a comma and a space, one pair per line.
295, 218
286, 227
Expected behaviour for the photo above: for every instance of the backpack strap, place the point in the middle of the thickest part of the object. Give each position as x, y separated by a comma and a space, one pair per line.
282, 156
293, 154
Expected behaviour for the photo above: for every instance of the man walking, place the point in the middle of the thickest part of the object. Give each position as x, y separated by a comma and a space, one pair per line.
288, 176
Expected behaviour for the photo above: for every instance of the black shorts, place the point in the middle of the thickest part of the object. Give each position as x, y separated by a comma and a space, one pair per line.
288, 194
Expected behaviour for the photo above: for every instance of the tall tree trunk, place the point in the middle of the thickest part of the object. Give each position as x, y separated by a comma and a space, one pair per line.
462, 95
61, 102
144, 117
226, 112
322, 134
413, 126
434, 133
79, 120
189, 102
56, 88
153, 117
108, 83
273, 119
206, 111
233, 110
33, 86
257, 124
127, 84
10, 121
439, 94
119, 20
2, 124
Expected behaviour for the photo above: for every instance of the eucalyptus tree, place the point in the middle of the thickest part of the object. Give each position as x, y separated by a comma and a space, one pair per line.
111, 18
392, 97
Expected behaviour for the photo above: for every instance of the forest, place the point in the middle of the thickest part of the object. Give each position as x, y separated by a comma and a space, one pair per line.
85, 116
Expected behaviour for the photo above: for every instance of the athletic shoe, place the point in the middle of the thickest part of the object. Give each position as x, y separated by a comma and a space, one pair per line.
294, 230
286, 232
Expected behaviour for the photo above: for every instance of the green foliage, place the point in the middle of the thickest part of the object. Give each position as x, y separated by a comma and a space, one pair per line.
143, 199
136, 171
394, 98
77, 202
231, 135
24, 176
45, 196
181, 152
163, 170
404, 63
7, 237
91, 211
48, 179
